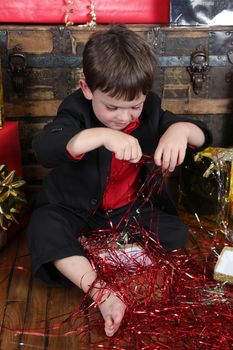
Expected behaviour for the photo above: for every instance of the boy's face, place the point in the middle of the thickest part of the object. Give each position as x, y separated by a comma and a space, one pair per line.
114, 113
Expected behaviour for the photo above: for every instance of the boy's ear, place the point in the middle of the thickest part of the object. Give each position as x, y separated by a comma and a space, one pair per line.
85, 89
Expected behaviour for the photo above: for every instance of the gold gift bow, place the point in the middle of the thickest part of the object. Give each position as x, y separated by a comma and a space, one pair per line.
11, 199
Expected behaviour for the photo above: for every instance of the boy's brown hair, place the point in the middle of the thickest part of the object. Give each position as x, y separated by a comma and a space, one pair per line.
118, 62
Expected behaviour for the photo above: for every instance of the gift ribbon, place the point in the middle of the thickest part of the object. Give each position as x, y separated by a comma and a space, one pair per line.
11, 199
72, 8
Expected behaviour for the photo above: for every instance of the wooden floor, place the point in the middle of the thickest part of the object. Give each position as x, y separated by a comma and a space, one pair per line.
26, 303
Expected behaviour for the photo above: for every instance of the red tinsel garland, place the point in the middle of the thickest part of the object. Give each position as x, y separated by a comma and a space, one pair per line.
172, 300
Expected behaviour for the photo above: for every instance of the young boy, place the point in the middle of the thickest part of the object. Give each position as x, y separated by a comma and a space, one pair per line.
94, 146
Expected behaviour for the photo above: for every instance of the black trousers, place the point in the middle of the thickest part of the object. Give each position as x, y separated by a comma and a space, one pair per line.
53, 233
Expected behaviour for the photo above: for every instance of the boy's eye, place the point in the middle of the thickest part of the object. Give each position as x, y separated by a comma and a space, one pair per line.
137, 107
111, 108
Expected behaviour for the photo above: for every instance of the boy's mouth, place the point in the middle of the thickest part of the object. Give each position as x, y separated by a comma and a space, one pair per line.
120, 125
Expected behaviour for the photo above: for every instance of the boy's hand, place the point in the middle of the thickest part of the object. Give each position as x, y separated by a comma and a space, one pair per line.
125, 147
171, 149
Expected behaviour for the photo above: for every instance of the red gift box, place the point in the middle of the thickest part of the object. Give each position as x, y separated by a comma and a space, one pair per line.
11, 157
10, 147
78, 11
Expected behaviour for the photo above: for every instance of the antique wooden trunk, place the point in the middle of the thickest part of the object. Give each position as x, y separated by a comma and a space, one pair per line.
195, 70
42, 64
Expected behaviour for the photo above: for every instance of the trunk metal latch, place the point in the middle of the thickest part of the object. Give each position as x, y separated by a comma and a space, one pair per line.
198, 69
18, 70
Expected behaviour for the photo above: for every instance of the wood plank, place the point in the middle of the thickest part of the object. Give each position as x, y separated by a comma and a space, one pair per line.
197, 30
32, 108
39, 93
198, 106
20, 278
36, 312
63, 301
8, 256
181, 106
31, 41
178, 33
40, 77
176, 78
16, 299
13, 319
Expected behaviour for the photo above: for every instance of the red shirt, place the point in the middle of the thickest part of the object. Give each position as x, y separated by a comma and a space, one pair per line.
123, 186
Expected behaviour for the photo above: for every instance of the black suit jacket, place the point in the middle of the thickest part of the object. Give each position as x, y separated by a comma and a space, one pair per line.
80, 184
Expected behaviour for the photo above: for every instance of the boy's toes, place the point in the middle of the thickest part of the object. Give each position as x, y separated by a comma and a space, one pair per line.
109, 326
109, 332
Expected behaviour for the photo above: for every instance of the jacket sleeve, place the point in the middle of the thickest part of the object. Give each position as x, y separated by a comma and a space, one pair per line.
50, 143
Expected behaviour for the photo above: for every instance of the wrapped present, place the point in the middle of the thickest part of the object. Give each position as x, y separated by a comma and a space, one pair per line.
207, 186
198, 194
1, 98
201, 12
11, 198
10, 146
85, 11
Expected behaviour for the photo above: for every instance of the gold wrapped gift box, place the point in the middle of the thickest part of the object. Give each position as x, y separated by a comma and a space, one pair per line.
207, 186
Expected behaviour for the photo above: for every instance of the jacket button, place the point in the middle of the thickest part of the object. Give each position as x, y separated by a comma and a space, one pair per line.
93, 201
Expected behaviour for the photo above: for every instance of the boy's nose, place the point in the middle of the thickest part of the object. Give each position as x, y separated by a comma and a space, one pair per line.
125, 116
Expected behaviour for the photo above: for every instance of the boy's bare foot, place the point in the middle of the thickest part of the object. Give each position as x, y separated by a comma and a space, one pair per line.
112, 310
111, 307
